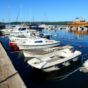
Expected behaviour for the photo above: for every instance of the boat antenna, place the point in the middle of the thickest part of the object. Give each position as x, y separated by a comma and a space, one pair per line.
19, 12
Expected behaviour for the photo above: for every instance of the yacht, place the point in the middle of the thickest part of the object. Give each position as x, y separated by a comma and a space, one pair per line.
15, 30
25, 33
55, 60
26, 43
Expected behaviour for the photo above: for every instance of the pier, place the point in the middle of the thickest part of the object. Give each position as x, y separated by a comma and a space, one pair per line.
9, 77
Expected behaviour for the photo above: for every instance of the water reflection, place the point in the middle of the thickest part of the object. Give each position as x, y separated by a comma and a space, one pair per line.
81, 32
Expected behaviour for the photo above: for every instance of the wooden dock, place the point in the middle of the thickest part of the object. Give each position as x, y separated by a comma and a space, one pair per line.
9, 77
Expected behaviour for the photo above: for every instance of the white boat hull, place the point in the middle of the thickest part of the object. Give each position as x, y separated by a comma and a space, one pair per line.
28, 47
57, 67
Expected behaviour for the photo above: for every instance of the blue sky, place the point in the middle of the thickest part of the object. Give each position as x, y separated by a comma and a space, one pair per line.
43, 10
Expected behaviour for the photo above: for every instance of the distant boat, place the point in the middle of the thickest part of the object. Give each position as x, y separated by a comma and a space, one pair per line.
55, 60
6, 31
15, 30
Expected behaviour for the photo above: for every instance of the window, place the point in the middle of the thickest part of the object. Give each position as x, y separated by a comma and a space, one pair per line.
22, 29
38, 41
72, 49
61, 57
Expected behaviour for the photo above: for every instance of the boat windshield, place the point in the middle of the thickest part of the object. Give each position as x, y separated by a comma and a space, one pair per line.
21, 36
22, 29
72, 49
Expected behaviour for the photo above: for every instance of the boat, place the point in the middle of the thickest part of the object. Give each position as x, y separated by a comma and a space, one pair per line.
55, 60
25, 33
27, 43
84, 68
15, 30
27, 54
6, 31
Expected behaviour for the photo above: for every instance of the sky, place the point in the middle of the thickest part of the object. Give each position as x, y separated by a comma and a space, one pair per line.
43, 10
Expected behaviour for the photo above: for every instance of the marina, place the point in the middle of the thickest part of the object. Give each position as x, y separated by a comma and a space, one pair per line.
43, 44
22, 62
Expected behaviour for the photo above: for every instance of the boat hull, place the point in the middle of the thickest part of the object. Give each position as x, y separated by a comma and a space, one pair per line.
28, 47
61, 65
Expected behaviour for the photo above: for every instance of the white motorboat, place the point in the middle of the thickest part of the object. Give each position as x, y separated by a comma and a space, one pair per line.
38, 52
6, 31
84, 68
18, 29
26, 33
26, 43
55, 60
86, 64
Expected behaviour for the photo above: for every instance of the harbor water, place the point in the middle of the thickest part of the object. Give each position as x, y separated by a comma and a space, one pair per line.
68, 77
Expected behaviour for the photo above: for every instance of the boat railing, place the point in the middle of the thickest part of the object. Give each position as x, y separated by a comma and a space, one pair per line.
56, 49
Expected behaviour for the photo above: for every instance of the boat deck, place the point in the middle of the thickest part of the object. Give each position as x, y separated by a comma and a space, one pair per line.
43, 52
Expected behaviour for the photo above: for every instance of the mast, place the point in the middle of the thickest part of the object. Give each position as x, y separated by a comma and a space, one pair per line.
19, 13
